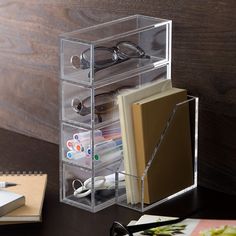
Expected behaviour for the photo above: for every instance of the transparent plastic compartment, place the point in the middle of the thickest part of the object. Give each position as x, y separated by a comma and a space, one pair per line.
169, 172
115, 49
87, 189
91, 149
97, 64
78, 102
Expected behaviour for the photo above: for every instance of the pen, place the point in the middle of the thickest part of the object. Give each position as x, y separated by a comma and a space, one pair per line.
6, 184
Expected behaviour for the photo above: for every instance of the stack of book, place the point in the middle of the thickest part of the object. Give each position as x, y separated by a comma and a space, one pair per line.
21, 199
151, 119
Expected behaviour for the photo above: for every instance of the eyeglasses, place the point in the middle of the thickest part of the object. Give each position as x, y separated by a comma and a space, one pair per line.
104, 103
107, 56
118, 229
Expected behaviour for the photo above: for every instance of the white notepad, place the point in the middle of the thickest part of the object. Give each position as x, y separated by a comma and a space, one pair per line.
9, 201
125, 101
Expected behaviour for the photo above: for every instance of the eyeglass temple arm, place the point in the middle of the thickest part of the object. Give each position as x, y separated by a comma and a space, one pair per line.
141, 227
115, 63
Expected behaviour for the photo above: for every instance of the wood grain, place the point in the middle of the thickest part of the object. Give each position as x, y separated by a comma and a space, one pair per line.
204, 55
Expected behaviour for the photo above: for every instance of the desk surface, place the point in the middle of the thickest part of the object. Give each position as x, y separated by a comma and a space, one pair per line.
22, 153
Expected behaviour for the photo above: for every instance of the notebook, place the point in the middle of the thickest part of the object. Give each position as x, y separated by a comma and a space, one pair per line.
171, 170
10, 201
125, 102
32, 186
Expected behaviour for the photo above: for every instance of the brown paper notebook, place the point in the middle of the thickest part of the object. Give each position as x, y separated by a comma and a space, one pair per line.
172, 168
32, 186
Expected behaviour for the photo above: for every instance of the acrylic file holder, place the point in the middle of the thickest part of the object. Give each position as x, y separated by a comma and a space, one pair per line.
185, 169
91, 148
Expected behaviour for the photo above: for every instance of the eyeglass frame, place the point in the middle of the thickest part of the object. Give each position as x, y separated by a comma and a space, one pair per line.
130, 229
98, 113
118, 56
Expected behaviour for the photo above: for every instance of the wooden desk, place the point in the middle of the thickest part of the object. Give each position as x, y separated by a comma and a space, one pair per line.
19, 152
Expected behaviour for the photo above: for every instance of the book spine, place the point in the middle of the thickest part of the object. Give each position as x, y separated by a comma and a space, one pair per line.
139, 146
123, 135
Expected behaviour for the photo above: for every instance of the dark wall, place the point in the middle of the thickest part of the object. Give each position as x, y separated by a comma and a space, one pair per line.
204, 55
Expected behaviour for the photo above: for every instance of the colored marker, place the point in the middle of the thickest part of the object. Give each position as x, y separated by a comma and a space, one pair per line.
74, 145
101, 146
73, 155
118, 141
85, 145
109, 156
86, 135
71, 144
78, 147
103, 154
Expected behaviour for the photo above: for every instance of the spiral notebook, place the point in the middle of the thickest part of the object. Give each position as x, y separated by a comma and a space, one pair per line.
32, 186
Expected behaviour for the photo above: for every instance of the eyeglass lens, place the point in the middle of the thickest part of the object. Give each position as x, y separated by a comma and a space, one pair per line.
129, 50
79, 107
104, 56
118, 229
104, 103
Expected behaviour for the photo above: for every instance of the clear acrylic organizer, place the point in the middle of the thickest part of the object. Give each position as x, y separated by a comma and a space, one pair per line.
171, 169
95, 69
79, 49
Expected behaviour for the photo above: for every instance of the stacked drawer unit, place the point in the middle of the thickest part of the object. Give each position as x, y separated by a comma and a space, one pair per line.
97, 64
